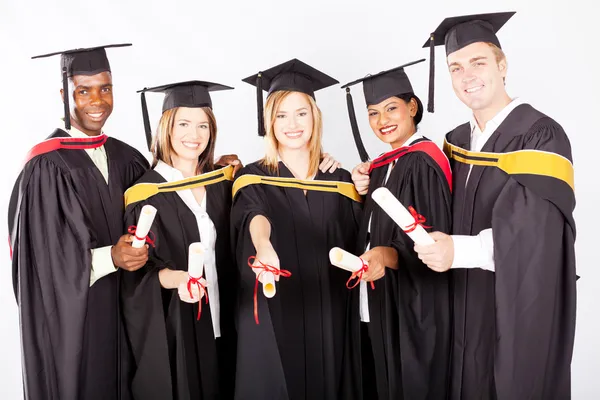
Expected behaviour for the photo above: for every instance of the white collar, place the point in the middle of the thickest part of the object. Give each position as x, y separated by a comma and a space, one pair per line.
172, 174
495, 122
411, 139
76, 133
169, 173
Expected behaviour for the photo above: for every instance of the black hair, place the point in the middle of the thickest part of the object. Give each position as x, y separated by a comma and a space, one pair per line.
406, 97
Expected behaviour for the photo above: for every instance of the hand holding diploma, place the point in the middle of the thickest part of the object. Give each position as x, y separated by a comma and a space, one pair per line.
409, 220
195, 271
130, 253
436, 250
182, 289
265, 253
348, 261
266, 267
440, 255
127, 257
378, 259
140, 232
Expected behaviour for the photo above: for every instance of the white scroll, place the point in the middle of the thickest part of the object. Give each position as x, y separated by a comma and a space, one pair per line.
268, 283
342, 259
143, 226
401, 216
196, 260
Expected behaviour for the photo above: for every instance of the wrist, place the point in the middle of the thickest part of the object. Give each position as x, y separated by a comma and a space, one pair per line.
390, 256
263, 244
170, 279
112, 256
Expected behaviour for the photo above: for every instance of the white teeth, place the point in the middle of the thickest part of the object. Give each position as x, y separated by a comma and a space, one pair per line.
293, 135
471, 90
191, 145
95, 115
388, 129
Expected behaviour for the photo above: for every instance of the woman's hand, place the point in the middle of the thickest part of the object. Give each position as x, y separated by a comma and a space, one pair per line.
175, 279
265, 254
378, 259
329, 163
184, 293
361, 178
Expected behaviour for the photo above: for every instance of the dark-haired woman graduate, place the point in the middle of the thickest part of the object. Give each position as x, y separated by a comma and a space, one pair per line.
406, 315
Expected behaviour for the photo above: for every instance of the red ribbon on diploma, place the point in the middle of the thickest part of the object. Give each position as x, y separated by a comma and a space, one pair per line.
201, 289
148, 239
419, 220
358, 276
264, 268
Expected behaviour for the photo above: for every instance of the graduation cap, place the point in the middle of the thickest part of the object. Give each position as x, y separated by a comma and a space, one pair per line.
458, 32
292, 75
181, 94
377, 88
90, 61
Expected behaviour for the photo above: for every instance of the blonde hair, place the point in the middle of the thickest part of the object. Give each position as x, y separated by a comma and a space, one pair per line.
272, 145
498, 54
162, 148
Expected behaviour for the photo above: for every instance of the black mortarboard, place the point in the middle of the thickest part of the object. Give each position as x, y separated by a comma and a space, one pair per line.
377, 88
293, 75
458, 32
181, 94
90, 61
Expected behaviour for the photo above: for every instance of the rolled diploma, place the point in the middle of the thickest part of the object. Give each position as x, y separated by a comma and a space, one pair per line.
401, 216
196, 260
268, 283
342, 259
143, 225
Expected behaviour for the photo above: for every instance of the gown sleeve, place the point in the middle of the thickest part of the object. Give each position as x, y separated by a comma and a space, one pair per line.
51, 264
422, 297
144, 317
258, 354
535, 280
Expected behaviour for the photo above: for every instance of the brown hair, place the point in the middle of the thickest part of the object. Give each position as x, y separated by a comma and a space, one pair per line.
162, 149
272, 145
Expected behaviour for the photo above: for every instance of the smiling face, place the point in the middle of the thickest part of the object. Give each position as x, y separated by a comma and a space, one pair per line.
92, 101
477, 76
294, 121
191, 133
392, 120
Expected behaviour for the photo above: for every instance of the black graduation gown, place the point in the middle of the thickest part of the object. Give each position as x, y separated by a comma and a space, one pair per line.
177, 356
302, 348
514, 328
61, 207
409, 308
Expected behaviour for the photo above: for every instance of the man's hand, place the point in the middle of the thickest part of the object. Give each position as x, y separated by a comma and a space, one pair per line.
378, 259
230, 159
329, 163
127, 257
361, 178
440, 255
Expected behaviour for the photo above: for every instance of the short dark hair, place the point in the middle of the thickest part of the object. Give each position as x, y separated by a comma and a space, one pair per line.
406, 97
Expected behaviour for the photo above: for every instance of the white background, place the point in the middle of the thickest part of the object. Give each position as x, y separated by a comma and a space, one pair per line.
552, 57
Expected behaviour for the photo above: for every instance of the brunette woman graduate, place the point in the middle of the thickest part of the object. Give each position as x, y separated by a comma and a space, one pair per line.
183, 347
